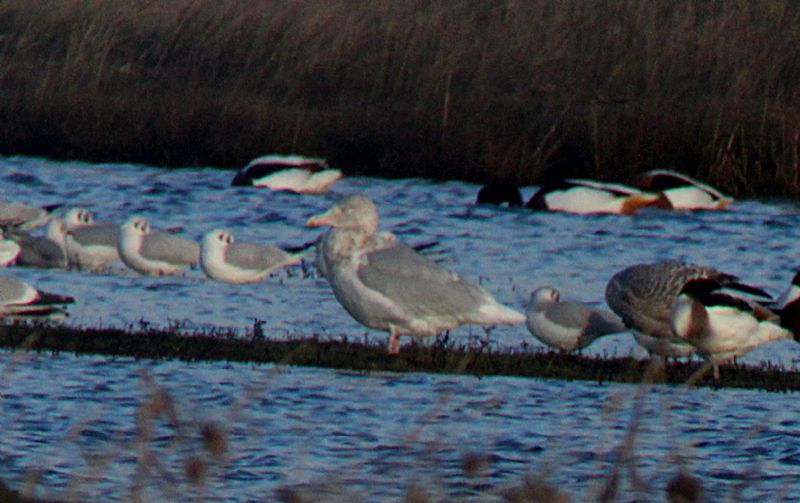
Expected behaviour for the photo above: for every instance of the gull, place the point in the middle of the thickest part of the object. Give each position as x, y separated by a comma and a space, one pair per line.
43, 251
288, 172
9, 250
224, 259
720, 325
567, 325
682, 191
19, 299
89, 245
589, 196
643, 295
23, 217
154, 252
385, 284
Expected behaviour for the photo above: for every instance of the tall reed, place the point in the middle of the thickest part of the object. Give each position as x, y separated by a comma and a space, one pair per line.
523, 91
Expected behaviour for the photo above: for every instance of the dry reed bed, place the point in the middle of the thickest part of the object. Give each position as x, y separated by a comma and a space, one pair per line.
522, 91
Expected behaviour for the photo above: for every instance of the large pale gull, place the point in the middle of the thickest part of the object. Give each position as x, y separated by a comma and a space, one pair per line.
386, 285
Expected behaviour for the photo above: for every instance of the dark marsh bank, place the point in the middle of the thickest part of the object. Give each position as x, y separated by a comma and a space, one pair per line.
517, 91
443, 356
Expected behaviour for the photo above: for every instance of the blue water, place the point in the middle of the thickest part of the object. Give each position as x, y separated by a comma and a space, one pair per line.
73, 425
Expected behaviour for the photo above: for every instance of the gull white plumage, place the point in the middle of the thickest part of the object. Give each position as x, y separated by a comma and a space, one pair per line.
43, 251
153, 252
9, 250
567, 325
90, 245
21, 300
720, 325
386, 285
22, 216
224, 259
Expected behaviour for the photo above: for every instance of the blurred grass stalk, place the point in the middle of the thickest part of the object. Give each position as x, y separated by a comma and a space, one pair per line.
521, 91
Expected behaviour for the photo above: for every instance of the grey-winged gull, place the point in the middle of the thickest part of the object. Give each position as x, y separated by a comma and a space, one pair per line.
9, 250
19, 299
288, 172
22, 216
386, 285
224, 259
588, 196
567, 325
720, 325
643, 294
90, 245
683, 192
42, 251
153, 252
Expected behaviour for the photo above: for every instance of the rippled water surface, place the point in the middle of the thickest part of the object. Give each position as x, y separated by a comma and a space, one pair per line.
72, 421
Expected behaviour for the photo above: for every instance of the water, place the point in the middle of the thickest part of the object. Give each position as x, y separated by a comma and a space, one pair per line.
72, 421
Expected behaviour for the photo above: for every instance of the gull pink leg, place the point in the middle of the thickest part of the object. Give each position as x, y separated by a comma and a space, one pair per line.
394, 344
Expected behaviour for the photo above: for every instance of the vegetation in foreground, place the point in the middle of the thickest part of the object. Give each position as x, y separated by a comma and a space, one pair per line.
178, 455
516, 91
443, 356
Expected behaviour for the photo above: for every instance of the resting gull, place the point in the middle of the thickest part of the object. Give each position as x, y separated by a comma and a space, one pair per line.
153, 252
19, 299
24, 217
224, 259
567, 325
643, 295
385, 284
46, 251
9, 250
288, 172
720, 325
90, 245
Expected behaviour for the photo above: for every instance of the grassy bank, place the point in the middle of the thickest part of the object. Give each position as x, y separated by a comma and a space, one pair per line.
441, 357
520, 91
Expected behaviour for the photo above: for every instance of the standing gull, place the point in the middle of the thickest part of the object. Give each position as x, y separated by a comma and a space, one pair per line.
90, 245
567, 325
643, 295
153, 252
19, 299
386, 285
224, 259
720, 325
